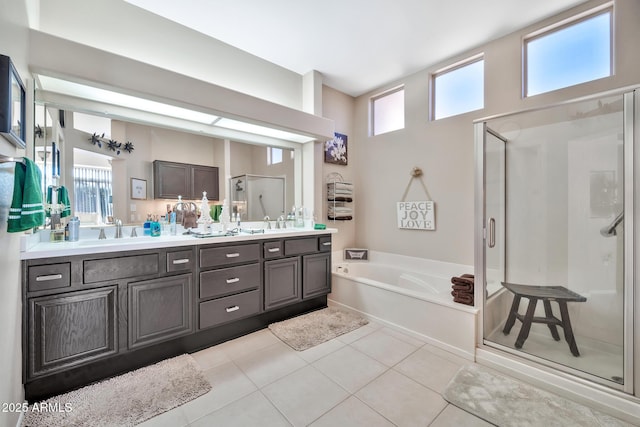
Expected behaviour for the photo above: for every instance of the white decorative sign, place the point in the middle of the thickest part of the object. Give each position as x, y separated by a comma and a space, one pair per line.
417, 215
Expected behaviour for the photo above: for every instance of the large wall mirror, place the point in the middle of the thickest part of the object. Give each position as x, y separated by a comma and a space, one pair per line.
97, 170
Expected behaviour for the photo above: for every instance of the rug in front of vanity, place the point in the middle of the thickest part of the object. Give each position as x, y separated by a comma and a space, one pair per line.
507, 402
125, 400
308, 330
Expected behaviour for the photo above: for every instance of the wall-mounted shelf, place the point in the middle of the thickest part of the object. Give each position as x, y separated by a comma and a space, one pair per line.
340, 195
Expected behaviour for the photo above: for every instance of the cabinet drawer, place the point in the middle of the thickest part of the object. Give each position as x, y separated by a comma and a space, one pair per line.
230, 308
300, 246
324, 243
98, 270
225, 255
273, 249
50, 276
225, 281
180, 261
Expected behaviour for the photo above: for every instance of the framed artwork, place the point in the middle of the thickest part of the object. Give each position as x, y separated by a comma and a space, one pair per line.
12, 103
138, 189
335, 150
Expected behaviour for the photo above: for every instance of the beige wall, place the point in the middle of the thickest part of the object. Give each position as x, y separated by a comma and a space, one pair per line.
13, 43
444, 149
150, 143
340, 108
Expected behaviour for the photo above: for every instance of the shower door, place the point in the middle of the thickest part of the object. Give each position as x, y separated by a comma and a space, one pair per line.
552, 222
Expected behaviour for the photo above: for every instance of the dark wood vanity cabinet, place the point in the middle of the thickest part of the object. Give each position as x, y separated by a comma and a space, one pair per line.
69, 329
159, 310
87, 317
81, 309
296, 269
171, 179
230, 285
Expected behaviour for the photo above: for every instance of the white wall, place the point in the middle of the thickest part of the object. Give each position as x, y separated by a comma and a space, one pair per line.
444, 148
13, 43
118, 27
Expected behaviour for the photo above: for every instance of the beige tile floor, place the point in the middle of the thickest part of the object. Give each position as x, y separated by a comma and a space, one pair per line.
373, 376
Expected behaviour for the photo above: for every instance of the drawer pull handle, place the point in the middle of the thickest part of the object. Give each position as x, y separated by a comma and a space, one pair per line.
231, 309
234, 280
233, 255
272, 250
326, 243
48, 277
180, 261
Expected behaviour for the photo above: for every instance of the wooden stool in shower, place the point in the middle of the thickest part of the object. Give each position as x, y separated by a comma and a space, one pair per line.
560, 294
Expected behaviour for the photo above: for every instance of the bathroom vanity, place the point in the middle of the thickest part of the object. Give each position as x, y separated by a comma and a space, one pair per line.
96, 309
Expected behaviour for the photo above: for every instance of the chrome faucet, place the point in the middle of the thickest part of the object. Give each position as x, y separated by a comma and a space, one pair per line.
267, 223
281, 223
118, 224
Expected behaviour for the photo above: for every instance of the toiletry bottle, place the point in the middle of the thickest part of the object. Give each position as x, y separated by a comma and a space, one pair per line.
155, 228
300, 218
74, 229
172, 224
147, 226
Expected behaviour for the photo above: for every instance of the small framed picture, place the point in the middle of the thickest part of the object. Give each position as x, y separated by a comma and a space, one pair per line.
335, 150
138, 189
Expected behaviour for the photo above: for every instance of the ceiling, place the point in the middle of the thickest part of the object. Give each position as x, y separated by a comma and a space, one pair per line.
357, 45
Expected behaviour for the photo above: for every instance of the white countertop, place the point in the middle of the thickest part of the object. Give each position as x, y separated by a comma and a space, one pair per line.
37, 245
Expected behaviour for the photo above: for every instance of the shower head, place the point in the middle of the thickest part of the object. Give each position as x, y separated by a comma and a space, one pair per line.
610, 230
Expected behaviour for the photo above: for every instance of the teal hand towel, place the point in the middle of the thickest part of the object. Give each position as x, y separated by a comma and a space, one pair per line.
26, 209
62, 199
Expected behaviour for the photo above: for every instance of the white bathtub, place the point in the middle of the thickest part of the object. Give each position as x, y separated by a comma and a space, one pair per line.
409, 293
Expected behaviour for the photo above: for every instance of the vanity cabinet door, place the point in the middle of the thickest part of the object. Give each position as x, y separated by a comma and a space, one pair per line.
316, 275
281, 282
70, 329
159, 309
205, 178
171, 180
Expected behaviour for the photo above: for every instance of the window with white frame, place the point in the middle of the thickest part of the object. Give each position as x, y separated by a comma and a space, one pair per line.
458, 89
274, 155
387, 111
570, 53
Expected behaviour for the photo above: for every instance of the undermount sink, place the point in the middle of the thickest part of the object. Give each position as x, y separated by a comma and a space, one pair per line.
113, 241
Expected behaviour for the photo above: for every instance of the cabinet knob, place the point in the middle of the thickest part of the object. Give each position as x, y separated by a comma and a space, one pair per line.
234, 280
233, 255
273, 250
234, 308
181, 261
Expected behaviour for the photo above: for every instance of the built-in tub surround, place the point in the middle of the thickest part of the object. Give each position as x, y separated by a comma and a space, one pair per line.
410, 293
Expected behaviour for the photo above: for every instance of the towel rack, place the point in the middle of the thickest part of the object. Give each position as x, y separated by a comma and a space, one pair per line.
8, 159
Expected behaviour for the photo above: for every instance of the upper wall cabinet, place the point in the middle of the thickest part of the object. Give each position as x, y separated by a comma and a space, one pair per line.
171, 180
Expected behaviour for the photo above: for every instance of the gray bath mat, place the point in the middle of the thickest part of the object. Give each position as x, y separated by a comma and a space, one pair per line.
125, 400
504, 401
311, 329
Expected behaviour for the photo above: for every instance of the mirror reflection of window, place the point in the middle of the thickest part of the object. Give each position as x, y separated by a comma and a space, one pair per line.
92, 187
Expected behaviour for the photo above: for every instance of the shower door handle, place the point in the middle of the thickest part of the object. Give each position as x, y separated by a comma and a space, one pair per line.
492, 232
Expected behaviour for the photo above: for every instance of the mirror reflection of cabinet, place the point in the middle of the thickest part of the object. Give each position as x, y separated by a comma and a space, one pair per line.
256, 196
171, 180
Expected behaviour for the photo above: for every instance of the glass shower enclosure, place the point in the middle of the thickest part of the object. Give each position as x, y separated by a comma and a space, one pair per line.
554, 236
